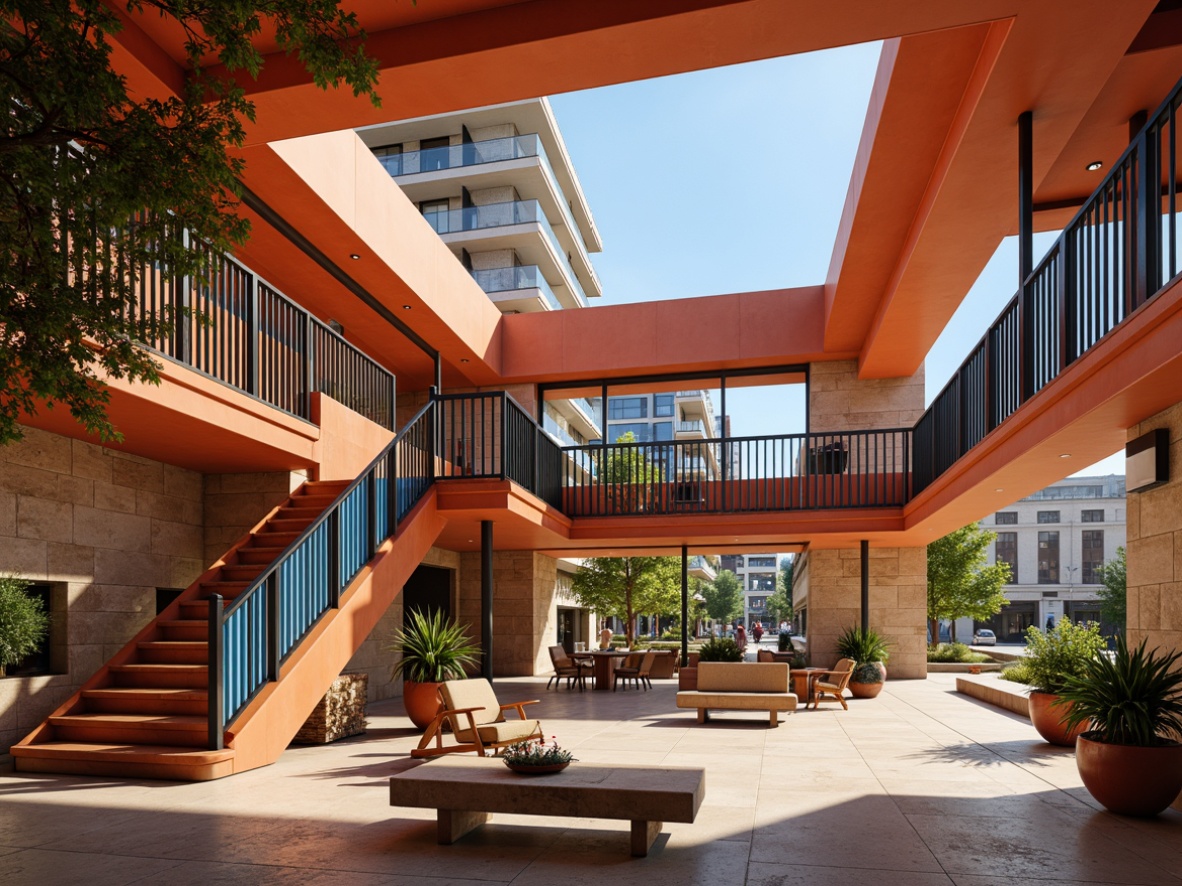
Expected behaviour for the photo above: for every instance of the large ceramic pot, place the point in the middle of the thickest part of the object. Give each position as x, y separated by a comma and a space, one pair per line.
1128, 779
1047, 718
868, 690
421, 701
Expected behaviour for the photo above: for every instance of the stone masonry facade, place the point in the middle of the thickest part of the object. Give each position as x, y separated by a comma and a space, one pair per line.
840, 401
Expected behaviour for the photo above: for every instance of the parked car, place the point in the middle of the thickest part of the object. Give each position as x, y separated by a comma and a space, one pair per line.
984, 637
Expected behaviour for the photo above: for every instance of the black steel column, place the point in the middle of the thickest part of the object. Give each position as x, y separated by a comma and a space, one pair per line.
865, 585
486, 598
1025, 253
684, 606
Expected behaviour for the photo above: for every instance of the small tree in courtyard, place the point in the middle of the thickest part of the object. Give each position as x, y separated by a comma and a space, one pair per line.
624, 587
1113, 592
960, 584
724, 597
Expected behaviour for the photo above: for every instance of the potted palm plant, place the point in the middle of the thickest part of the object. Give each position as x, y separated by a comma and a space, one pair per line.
1050, 659
433, 649
1130, 760
870, 652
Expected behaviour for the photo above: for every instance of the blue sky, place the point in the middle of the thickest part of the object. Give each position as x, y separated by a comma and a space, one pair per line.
732, 180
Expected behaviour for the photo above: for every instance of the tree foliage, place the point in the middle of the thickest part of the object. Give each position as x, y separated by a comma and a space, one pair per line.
84, 154
724, 597
779, 604
1113, 592
624, 587
23, 621
960, 584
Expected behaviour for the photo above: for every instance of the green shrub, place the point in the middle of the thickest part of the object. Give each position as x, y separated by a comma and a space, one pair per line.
433, 649
23, 621
721, 649
784, 641
1016, 672
956, 652
1060, 653
867, 672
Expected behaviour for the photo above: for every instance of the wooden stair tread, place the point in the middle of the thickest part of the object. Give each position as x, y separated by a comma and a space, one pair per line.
146, 692
153, 665
158, 721
123, 752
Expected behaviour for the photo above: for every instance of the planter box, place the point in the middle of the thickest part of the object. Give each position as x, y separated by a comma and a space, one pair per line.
339, 714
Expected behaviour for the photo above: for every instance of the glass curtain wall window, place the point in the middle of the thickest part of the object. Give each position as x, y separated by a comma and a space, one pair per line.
627, 407
1048, 558
1093, 555
663, 406
1006, 551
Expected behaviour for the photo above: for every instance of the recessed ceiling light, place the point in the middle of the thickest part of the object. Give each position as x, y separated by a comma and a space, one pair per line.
463, 359
1065, 455
406, 307
354, 256
999, 489
1094, 165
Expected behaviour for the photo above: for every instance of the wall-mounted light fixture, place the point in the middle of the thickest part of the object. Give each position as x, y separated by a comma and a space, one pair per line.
1147, 461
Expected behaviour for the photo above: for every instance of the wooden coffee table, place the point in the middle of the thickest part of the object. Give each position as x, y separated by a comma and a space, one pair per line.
465, 791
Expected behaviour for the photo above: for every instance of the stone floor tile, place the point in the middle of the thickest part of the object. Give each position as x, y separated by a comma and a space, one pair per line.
764, 874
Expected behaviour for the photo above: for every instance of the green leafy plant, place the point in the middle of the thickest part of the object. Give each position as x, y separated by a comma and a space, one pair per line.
955, 652
433, 649
536, 752
866, 672
1016, 672
720, 649
23, 621
862, 645
784, 641
1132, 698
1062, 652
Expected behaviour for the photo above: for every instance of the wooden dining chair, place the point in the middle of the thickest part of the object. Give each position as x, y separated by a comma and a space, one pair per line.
832, 683
636, 667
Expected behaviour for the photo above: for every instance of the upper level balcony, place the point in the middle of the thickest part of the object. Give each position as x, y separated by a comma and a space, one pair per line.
497, 224
522, 288
691, 430
695, 404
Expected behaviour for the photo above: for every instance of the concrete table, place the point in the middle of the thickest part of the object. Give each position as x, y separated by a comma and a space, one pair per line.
465, 791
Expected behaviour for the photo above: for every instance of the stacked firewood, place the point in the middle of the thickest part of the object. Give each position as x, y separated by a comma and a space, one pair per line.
339, 714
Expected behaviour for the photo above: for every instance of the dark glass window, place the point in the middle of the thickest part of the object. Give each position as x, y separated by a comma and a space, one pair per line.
1005, 518
1093, 555
662, 430
641, 431
1048, 517
1006, 549
1092, 516
1048, 558
663, 405
761, 561
627, 407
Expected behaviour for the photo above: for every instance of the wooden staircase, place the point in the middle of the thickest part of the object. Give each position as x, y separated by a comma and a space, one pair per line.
145, 713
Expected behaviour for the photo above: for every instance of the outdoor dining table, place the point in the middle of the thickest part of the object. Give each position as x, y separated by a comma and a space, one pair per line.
803, 680
605, 664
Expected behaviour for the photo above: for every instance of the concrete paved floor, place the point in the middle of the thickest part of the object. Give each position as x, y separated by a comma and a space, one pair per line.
918, 787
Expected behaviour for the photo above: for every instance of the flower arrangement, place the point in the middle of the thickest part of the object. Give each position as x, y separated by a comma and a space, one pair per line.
536, 752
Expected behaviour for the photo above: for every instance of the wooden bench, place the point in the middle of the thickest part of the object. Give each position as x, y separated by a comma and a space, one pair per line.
465, 791
740, 686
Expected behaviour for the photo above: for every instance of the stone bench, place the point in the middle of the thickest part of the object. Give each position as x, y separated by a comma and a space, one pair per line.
740, 686
465, 791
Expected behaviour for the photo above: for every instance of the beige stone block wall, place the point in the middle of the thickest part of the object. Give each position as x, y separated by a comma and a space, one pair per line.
501, 130
840, 401
373, 657
235, 503
1154, 547
105, 529
488, 196
524, 610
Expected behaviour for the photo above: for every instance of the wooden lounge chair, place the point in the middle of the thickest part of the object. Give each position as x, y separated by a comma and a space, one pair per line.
832, 683
477, 721
565, 666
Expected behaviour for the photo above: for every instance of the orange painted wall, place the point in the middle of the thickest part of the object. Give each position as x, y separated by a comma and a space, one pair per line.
348, 441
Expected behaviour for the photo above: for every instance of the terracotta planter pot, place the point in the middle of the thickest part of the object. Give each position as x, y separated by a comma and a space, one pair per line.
1127, 779
864, 690
1047, 719
687, 678
421, 701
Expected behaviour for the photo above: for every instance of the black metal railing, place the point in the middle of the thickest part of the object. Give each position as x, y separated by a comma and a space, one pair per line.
251, 636
487, 434
235, 327
855, 469
1119, 250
